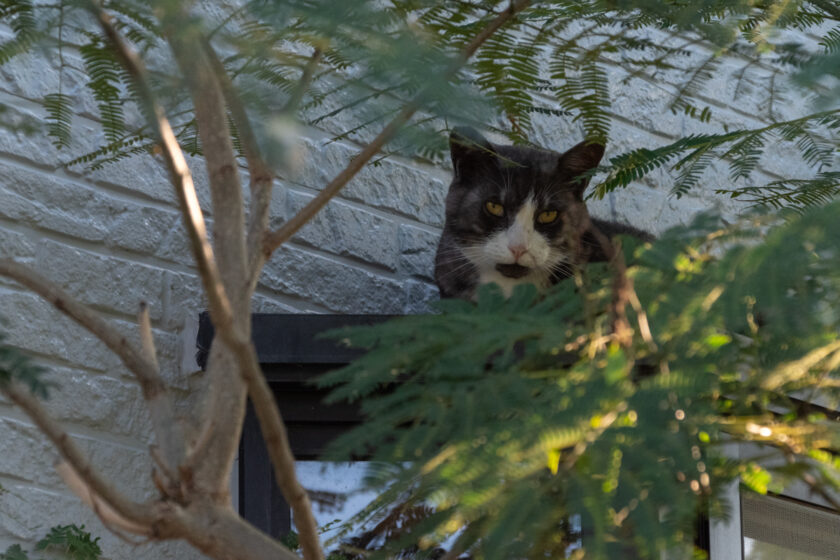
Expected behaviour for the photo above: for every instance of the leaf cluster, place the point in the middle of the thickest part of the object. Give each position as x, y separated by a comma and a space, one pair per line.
15, 366
71, 542
510, 417
813, 136
557, 58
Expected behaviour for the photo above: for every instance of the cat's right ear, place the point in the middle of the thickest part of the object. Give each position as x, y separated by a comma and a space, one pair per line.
471, 152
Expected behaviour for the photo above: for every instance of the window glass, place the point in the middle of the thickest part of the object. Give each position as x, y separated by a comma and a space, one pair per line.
337, 493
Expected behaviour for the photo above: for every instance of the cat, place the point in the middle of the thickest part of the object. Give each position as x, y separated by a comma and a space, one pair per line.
515, 215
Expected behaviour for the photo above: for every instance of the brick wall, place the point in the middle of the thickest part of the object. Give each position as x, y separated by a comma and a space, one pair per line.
113, 238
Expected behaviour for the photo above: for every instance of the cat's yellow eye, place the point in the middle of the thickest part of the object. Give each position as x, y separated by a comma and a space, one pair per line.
547, 217
494, 208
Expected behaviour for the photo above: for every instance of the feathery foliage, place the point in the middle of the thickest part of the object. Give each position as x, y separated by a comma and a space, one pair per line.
557, 58
70, 542
498, 423
15, 366
519, 406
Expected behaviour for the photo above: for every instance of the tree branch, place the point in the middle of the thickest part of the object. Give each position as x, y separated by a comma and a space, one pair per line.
230, 313
134, 359
220, 307
203, 80
280, 236
138, 514
168, 429
261, 176
185, 39
303, 83
109, 516
277, 441
622, 287
147, 339
231, 537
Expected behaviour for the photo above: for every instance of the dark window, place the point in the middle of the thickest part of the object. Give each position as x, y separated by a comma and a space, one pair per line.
291, 355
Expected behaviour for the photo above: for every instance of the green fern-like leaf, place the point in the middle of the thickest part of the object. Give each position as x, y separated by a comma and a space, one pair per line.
14, 552
18, 367
21, 17
59, 118
72, 541
105, 73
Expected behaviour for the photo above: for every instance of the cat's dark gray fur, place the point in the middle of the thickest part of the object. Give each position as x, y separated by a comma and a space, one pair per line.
478, 246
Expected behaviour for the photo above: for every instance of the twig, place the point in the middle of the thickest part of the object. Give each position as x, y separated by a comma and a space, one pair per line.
261, 176
220, 161
147, 339
179, 172
109, 516
303, 83
137, 514
133, 358
287, 230
209, 102
277, 441
621, 290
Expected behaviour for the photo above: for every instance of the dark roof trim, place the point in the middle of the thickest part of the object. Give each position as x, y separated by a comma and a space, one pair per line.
289, 338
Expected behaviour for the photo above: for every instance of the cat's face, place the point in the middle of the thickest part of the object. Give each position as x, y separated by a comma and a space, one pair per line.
515, 213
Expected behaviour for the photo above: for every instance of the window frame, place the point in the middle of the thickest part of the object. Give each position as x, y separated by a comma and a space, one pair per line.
291, 355
726, 537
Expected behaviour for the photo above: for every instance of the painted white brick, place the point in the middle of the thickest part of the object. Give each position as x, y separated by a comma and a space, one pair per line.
348, 231
15, 245
115, 403
115, 284
337, 286
77, 210
32, 458
417, 251
33, 325
392, 186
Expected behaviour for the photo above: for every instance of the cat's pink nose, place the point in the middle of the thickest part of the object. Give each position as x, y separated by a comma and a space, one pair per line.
517, 250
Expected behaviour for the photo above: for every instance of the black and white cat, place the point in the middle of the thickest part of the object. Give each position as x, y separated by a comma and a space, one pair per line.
516, 215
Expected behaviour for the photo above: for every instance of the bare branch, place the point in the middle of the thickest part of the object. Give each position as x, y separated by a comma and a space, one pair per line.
168, 429
210, 114
231, 537
622, 287
280, 451
303, 83
226, 392
277, 238
147, 339
186, 40
220, 307
261, 176
134, 513
134, 359
109, 516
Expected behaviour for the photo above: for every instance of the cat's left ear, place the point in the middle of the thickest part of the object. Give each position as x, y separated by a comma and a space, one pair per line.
471, 152
577, 161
